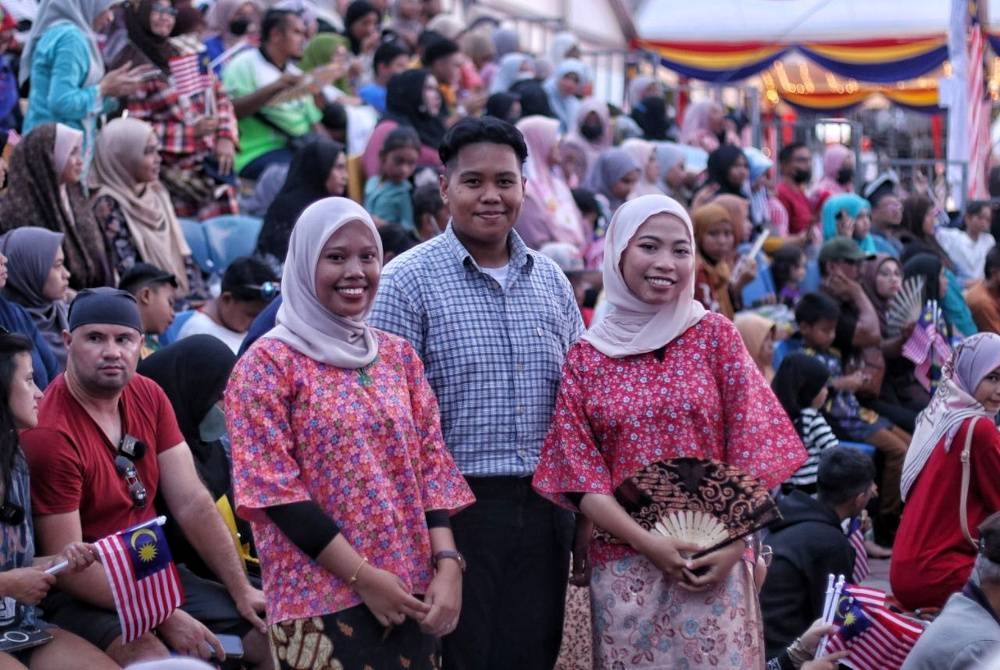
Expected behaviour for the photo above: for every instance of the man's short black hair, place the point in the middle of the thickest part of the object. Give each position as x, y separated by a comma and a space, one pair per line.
245, 276
438, 49
274, 19
843, 473
427, 200
388, 52
976, 207
816, 307
472, 130
785, 155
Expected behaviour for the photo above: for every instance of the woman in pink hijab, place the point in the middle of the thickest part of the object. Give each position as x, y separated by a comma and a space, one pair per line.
838, 174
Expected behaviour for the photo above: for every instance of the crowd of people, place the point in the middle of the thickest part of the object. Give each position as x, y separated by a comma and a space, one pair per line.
390, 319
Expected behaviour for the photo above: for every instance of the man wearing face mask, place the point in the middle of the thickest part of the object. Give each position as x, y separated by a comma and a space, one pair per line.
795, 161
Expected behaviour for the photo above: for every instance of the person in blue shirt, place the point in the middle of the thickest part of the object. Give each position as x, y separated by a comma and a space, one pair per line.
63, 62
390, 58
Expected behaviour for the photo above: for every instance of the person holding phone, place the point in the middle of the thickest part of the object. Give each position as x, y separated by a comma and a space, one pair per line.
25, 578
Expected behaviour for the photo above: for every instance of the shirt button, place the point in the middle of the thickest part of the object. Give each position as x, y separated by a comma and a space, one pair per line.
520, 367
539, 330
520, 409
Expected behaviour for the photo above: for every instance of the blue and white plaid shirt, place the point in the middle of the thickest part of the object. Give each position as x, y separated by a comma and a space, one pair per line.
492, 355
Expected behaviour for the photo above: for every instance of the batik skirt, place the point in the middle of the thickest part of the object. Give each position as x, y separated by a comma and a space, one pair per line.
352, 639
643, 619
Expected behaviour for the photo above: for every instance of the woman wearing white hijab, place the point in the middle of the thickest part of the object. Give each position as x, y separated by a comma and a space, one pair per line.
931, 558
656, 379
63, 61
339, 463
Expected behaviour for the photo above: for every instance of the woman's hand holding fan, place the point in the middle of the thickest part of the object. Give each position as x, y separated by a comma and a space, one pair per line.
712, 568
670, 555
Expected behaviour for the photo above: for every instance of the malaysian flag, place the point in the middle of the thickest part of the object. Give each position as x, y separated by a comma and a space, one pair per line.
142, 577
874, 637
927, 349
190, 73
856, 537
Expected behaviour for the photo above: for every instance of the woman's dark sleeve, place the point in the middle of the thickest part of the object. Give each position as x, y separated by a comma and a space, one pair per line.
305, 524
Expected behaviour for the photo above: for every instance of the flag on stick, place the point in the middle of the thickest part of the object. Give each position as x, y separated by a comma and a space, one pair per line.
142, 577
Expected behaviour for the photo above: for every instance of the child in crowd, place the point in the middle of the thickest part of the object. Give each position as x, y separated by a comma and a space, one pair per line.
248, 285
429, 213
154, 291
816, 316
717, 287
788, 268
801, 386
758, 334
387, 195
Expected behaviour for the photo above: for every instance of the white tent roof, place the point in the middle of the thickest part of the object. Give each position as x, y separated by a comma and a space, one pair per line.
787, 21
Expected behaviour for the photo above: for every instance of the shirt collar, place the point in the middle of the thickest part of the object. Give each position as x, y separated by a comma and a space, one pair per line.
520, 256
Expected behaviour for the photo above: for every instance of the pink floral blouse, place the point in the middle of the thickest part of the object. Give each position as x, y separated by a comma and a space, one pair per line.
706, 399
364, 444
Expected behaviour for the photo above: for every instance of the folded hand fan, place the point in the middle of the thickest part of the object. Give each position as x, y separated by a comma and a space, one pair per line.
905, 306
705, 502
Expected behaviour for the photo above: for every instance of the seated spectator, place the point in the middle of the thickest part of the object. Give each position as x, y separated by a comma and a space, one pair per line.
247, 286
154, 291
23, 581
887, 215
197, 133
63, 61
643, 154
900, 397
967, 632
193, 374
231, 23
983, 297
412, 99
817, 316
390, 59
506, 106
361, 28
269, 123
809, 544
407, 21
395, 240
589, 137
511, 68
564, 88
318, 171
728, 171
838, 174
650, 114
758, 335
429, 211
388, 194
932, 557
715, 239
788, 269
442, 59
848, 215
44, 190
800, 384
133, 207
920, 220
795, 167
670, 159
85, 421
16, 319
10, 112
766, 211
967, 248
549, 213
704, 126
327, 60
612, 179
37, 280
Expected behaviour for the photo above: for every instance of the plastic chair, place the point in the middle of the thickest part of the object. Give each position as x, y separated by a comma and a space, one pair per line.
217, 242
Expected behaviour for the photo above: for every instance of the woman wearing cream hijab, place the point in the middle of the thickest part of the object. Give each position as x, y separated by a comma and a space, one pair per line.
657, 379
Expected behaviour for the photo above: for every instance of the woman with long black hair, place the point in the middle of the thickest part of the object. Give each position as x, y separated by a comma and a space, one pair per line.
23, 580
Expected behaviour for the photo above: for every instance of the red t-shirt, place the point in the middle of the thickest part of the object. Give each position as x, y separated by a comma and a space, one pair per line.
72, 460
800, 211
931, 559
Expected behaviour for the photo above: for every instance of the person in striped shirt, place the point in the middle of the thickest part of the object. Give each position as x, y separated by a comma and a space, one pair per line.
801, 386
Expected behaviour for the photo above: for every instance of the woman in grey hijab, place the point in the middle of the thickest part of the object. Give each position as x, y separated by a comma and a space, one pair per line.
613, 177
37, 279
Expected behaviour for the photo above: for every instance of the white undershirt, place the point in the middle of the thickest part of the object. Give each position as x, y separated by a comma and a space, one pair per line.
500, 274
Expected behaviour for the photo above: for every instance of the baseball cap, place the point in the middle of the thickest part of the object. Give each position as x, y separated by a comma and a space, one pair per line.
143, 273
842, 249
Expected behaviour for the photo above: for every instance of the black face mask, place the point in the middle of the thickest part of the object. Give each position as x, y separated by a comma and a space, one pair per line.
802, 176
239, 27
845, 175
592, 131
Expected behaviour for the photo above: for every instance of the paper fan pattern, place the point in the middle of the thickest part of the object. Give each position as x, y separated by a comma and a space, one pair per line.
906, 306
702, 501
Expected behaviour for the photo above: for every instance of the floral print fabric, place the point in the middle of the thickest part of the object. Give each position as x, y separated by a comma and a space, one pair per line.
705, 399
643, 619
364, 444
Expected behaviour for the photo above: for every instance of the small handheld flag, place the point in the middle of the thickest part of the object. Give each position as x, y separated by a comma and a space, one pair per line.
142, 577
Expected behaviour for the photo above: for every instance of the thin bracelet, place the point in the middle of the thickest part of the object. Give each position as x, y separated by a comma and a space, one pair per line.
354, 577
